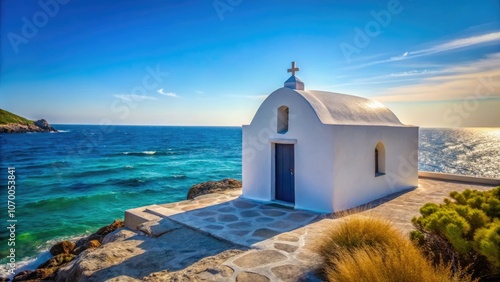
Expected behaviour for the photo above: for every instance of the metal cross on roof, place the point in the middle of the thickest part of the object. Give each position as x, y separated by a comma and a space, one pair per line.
293, 69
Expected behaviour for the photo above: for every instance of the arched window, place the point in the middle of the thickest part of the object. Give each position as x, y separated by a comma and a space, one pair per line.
379, 159
282, 120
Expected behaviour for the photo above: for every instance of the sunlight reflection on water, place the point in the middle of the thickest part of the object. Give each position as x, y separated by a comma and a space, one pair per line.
467, 151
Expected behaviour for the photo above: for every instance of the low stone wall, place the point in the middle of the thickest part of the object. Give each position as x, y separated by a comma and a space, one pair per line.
459, 178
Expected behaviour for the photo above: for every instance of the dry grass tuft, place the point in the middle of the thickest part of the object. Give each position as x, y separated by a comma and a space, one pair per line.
371, 249
357, 232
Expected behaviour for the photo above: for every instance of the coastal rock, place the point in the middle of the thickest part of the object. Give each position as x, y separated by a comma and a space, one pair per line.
78, 250
24, 128
44, 125
36, 275
212, 186
65, 252
22, 276
64, 247
133, 256
113, 236
18, 128
57, 260
93, 244
103, 231
98, 236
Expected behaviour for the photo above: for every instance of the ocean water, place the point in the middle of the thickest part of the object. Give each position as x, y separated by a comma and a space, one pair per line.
467, 151
72, 182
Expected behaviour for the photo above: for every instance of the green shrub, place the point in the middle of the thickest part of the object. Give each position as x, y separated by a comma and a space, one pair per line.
487, 242
464, 230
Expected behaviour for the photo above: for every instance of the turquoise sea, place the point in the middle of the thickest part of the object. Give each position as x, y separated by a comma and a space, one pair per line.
72, 182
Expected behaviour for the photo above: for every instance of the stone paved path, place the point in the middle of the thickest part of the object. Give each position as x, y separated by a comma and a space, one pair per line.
282, 240
243, 222
275, 233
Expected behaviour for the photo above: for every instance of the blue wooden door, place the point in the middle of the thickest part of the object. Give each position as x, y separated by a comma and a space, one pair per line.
285, 183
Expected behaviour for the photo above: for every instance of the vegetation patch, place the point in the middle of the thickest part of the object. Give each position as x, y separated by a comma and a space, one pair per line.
8, 117
463, 231
371, 249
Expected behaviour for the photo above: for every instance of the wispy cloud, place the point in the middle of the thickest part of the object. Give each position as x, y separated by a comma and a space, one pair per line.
199, 92
392, 78
456, 82
369, 57
256, 97
251, 97
168, 94
409, 73
134, 97
455, 44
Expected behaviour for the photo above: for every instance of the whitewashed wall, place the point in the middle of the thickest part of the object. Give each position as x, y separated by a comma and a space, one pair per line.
313, 152
355, 182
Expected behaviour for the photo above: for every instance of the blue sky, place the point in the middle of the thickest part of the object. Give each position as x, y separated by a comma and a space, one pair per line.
212, 62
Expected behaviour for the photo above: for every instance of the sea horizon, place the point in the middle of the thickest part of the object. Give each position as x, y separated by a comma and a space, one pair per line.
181, 125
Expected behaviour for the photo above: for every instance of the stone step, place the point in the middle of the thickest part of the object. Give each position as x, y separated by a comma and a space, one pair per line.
161, 211
137, 216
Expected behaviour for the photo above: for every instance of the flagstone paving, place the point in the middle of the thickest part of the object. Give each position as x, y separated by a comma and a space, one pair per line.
241, 221
282, 240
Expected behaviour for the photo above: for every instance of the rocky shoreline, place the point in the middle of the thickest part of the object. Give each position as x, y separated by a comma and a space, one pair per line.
38, 126
65, 253
212, 187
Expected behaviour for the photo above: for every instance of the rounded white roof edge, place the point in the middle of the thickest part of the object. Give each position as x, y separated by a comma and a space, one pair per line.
337, 108
343, 109
317, 105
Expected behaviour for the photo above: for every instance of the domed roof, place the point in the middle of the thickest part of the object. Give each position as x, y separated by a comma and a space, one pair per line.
335, 108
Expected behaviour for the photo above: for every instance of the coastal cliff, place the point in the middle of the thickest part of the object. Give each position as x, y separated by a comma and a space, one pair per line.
12, 123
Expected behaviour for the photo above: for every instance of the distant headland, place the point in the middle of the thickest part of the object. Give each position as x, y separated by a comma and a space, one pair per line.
12, 123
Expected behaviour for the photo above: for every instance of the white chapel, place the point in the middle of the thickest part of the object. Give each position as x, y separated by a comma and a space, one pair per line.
325, 151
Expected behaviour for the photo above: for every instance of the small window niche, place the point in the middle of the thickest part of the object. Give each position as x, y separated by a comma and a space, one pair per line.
379, 159
282, 120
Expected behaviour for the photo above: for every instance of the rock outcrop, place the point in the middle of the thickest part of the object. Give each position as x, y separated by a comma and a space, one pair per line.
64, 247
182, 254
212, 187
37, 126
44, 125
65, 252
